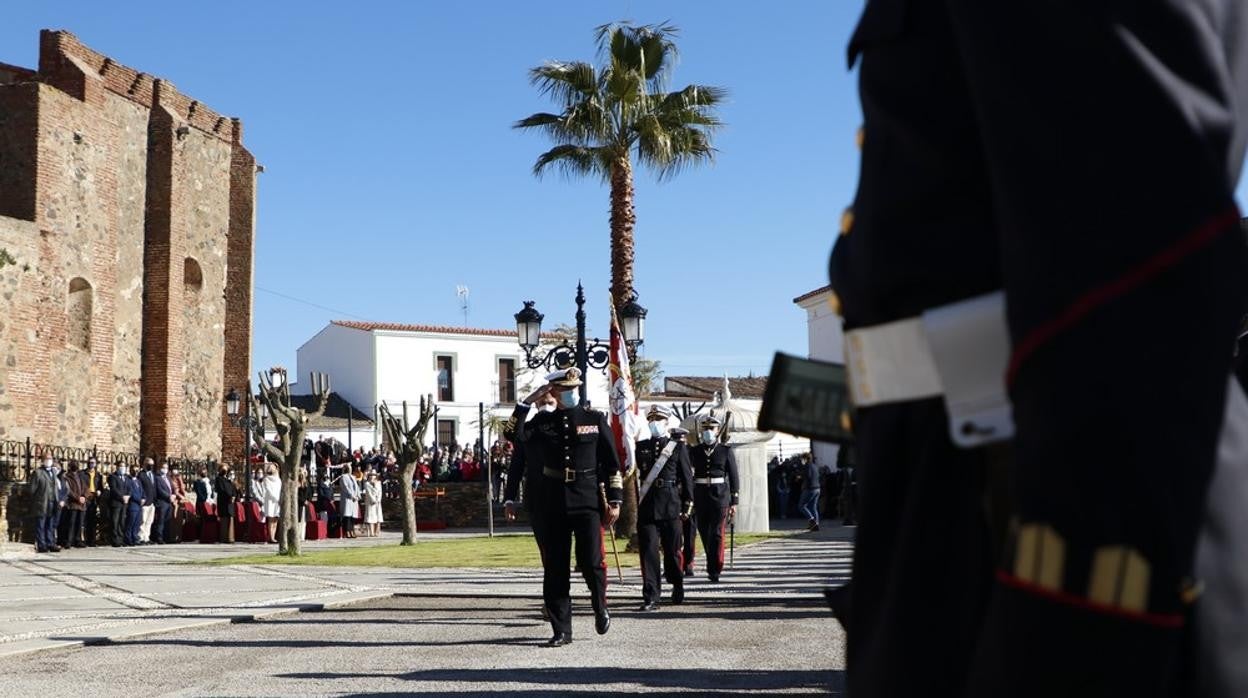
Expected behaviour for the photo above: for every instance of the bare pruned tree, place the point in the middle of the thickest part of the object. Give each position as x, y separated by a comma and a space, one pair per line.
408, 442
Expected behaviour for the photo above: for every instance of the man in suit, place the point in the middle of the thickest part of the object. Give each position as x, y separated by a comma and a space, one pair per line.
147, 478
62, 497
96, 496
163, 489
134, 507
668, 500
118, 504
1050, 174
573, 447
42, 487
227, 492
716, 490
75, 507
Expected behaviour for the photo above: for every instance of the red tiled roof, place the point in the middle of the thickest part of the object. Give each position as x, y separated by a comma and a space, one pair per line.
440, 329
812, 294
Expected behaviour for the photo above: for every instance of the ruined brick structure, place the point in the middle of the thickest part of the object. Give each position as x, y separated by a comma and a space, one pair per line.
129, 208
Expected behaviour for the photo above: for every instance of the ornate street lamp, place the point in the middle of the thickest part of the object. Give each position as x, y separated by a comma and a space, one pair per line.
583, 354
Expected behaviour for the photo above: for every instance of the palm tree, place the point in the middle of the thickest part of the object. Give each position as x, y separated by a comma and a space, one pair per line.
615, 112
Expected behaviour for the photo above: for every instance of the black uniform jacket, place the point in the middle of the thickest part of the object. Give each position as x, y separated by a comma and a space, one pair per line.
672, 491
713, 462
570, 451
521, 467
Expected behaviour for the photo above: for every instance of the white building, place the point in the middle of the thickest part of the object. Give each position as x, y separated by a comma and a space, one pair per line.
461, 367
826, 342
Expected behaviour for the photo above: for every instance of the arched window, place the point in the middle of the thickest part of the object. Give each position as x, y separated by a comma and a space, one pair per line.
192, 277
79, 311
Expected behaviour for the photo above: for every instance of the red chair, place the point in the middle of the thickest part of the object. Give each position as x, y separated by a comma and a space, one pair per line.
315, 528
209, 526
256, 530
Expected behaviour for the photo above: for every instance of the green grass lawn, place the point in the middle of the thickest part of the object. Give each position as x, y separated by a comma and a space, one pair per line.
480, 551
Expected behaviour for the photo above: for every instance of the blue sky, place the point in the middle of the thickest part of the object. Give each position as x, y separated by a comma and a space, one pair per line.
392, 173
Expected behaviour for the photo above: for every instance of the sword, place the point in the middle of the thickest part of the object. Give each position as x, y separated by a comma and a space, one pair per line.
732, 540
602, 494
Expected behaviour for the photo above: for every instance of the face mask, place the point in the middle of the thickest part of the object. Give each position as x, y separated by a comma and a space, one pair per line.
708, 437
546, 408
656, 429
568, 399
164, 471
47, 463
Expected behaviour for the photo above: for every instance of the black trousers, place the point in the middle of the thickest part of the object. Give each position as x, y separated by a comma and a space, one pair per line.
560, 527
71, 527
117, 523
688, 538
160, 523
712, 516
91, 523
651, 536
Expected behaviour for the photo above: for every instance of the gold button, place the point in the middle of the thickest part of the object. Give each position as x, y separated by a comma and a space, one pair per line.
860, 137
834, 302
847, 220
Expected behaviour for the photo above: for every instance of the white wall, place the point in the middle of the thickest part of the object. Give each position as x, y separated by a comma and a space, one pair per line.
826, 342
346, 355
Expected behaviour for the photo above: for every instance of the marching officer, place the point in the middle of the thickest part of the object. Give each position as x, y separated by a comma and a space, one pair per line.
666, 501
1046, 175
715, 492
573, 447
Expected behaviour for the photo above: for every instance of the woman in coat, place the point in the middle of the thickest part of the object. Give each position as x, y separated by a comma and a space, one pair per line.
372, 505
271, 500
348, 503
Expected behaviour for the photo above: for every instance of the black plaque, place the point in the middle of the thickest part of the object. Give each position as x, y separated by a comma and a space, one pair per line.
807, 398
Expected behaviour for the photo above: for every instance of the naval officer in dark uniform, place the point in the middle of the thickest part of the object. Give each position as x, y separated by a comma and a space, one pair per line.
1080, 160
573, 447
715, 492
667, 502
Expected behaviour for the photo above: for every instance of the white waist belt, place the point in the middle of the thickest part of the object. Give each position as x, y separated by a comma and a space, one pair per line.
708, 480
960, 351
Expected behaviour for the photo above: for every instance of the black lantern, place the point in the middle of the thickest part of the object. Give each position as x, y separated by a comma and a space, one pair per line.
632, 322
529, 326
231, 403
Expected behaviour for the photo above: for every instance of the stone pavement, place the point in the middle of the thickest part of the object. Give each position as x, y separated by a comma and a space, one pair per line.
102, 594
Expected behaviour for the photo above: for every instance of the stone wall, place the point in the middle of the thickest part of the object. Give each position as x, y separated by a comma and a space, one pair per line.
463, 506
110, 180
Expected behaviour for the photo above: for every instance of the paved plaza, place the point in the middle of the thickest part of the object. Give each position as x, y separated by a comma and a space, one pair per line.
763, 628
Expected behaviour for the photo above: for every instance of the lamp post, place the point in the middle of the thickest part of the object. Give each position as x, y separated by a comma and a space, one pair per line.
584, 354
247, 423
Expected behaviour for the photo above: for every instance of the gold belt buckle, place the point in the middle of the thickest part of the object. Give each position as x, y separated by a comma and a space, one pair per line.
569, 475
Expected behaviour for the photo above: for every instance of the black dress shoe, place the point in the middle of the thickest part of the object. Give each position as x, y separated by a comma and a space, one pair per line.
648, 606
116, 545
55, 549
714, 578
678, 594
559, 640
602, 621
689, 571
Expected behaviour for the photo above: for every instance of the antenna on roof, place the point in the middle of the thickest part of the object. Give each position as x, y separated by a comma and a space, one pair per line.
461, 291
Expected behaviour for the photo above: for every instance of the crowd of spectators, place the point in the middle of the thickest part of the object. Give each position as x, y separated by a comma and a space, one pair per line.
801, 487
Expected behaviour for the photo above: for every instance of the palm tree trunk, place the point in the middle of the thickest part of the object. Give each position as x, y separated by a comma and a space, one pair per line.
623, 219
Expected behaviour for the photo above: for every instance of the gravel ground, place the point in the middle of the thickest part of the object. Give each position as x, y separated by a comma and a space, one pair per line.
460, 646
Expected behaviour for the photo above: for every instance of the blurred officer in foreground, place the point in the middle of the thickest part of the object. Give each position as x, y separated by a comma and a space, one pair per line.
573, 447
1074, 162
665, 501
716, 490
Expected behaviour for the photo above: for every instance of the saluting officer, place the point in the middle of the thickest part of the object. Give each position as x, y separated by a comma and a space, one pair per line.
715, 492
573, 447
666, 500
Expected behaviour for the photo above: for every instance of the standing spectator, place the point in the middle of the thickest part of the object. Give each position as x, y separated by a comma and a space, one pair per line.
134, 509
204, 493
96, 496
849, 484
256, 485
227, 492
179, 504
75, 507
163, 505
147, 478
781, 479
62, 496
372, 508
118, 503
811, 484
348, 503
42, 490
271, 500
